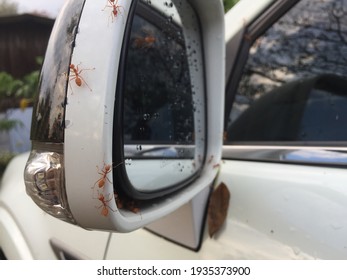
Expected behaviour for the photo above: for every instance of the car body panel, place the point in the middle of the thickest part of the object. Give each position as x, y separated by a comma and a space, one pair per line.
277, 211
31, 230
267, 219
301, 207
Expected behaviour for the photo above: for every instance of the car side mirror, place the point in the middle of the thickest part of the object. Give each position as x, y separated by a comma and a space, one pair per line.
128, 124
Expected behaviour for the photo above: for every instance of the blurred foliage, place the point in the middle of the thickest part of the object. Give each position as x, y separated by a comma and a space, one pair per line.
228, 4
5, 158
15, 93
8, 85
18, 93
8, 8
6, 125
26, 87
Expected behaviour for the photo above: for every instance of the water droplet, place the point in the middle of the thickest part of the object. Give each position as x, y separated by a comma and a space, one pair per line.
296, 250
292, 229
336, 226
38, 117
169, 19
68, 124
146, 117
168, 4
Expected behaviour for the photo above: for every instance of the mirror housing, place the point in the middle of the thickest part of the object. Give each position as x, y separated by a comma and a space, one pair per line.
69, 173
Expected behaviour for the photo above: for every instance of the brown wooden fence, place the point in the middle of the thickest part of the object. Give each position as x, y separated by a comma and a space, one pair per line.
22, 39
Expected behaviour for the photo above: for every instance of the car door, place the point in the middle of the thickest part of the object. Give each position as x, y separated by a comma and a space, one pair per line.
284, 153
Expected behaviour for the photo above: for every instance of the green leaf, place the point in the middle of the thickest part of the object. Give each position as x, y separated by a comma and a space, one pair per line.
228, 4
7, 125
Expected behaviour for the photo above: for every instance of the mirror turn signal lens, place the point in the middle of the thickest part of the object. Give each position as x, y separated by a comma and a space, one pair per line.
45, 181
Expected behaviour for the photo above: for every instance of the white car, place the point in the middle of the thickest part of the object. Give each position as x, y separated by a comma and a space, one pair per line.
155, 138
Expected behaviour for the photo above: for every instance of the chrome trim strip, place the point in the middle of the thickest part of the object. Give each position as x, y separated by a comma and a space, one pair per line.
321, 156
159, 151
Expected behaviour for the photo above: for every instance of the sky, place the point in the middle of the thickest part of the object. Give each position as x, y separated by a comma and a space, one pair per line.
49, 7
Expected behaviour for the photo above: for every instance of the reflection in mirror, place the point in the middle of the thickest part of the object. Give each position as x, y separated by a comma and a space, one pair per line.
163, 105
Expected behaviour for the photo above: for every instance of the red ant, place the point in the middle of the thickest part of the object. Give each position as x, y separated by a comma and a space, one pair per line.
105, 170
75, 74
104, 205
144, 42
218, 164
115, 8
127, 204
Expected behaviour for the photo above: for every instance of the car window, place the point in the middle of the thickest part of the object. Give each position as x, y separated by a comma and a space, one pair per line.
293, 86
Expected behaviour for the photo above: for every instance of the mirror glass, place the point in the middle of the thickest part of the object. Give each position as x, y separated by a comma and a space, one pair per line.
164, 100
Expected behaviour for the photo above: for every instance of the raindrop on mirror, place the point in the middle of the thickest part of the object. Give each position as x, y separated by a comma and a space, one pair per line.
163, 118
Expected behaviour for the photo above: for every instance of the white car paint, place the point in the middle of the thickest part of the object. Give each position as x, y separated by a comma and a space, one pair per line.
267, 220
300, 207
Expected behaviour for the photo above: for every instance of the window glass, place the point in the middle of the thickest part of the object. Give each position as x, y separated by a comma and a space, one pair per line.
158, 105
294, 86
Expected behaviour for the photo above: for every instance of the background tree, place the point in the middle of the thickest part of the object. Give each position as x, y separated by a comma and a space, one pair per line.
8, 8
228, 4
